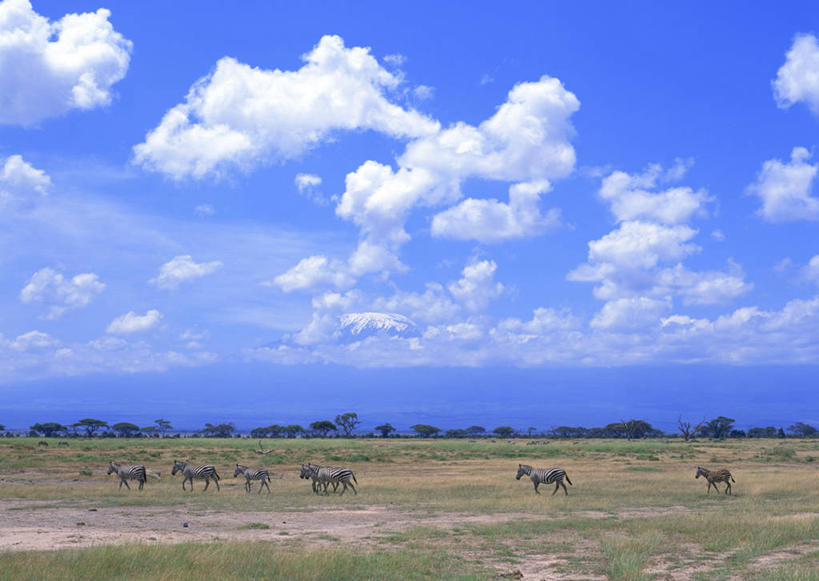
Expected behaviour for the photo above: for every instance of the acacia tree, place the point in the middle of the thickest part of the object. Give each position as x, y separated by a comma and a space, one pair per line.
125, 429
385, 429
425, 430
801, 429
347, 422
48, 429
218, 430
90, 425
163, 426
504, 431
322, 427
293, 430
719, 427
475, 430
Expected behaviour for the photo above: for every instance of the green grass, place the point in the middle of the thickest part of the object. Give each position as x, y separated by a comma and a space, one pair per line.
240, 561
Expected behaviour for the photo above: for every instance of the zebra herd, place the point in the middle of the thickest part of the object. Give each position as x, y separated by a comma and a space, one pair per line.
324, 476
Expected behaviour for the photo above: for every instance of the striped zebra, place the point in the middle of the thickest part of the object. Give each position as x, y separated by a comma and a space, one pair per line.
204, 472
714, 476
544, 475
253, 474
325, 475
127, 473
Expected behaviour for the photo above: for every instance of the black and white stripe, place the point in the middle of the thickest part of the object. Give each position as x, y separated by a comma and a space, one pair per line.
325, 475
544, 476
253, 474
204, 472
127, 473
714, 476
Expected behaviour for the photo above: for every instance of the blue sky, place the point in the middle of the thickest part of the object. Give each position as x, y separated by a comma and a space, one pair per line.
620, 199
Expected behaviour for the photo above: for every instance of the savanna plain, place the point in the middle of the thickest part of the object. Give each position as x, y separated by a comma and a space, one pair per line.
426, 509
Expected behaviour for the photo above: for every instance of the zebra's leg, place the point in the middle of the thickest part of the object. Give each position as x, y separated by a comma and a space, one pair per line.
264, 481
565, 490
216, 480
141, 483
557, 485
343, 490
125, 482
728, 488
207, 483
353, 487
536, 485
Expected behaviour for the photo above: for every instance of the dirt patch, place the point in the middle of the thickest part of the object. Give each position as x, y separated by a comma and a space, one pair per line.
776, 559
42, 525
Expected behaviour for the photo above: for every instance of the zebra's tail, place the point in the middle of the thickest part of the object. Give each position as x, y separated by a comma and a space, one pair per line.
215, 473
569, 480
732, 478
353, 475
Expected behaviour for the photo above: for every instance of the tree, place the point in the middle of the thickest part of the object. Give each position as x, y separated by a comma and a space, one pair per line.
322, 427
125, 429
347, 422
150, 431
686, 430
475, 430
163, 426
531, 430
425, 430
769, 432
457, 433
385, 429
504, 431
272, 431
801, 430
90, 425
718, 428
218, 430
48, 429
293, 430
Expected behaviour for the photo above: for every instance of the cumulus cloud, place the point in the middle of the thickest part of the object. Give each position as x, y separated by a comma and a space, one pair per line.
477, 286
49, 287
798, 79
494, 221
785, 189
182, 269
638, 265
239, 116
312, 272
130, 323
307, 185
48, 68
20, 182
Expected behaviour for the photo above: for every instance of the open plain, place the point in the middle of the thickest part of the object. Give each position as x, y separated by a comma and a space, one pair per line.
426, 509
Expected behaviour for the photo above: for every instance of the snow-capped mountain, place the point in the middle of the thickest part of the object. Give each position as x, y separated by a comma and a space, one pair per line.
358, 326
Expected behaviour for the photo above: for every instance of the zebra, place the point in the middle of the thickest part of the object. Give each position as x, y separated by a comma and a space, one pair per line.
714, 476
252, 474
547, 476
62, 443
329, 475
126, 473
42, 444
204, 472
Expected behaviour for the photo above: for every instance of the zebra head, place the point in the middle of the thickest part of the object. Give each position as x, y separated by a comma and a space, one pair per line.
112, 468
178, 467
307, 471
239, 470
523, 470
701, 472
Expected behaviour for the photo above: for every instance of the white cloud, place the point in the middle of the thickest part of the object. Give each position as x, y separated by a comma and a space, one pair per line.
203, 210
240, 116
798, 79
642, 245
21, 183
308, 184
49, 68
811, 270
33, 340
61, 294
314, 271
631, 197
704, 288
181, 269
631, 313
477, 286
494, 221
130, 322
785, 189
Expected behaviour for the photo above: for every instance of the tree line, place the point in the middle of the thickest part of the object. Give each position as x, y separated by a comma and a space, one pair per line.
344, 425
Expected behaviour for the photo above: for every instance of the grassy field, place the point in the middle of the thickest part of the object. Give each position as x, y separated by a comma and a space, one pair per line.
427, 509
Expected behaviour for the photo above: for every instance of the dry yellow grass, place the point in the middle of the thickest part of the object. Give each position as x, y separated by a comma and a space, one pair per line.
635, 510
